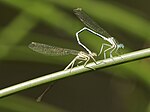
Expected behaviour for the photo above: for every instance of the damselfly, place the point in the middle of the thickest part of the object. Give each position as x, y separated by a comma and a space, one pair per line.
94, 28
57, 51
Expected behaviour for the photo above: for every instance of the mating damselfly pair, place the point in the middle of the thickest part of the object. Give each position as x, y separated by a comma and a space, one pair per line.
92, 27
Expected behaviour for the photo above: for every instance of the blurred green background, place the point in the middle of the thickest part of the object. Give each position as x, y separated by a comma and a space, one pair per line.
122, 88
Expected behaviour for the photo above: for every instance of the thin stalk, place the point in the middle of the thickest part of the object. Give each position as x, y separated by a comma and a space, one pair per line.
145, 53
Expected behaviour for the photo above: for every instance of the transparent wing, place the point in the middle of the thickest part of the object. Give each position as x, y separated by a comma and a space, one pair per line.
51, 50
89, 22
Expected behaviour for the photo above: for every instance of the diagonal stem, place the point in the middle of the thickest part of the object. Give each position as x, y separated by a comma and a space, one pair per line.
145, 53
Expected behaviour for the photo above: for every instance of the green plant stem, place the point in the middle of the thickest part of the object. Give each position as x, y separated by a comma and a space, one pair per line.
75, 71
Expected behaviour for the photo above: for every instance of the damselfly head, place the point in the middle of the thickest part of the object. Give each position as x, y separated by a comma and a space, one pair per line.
121, 46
